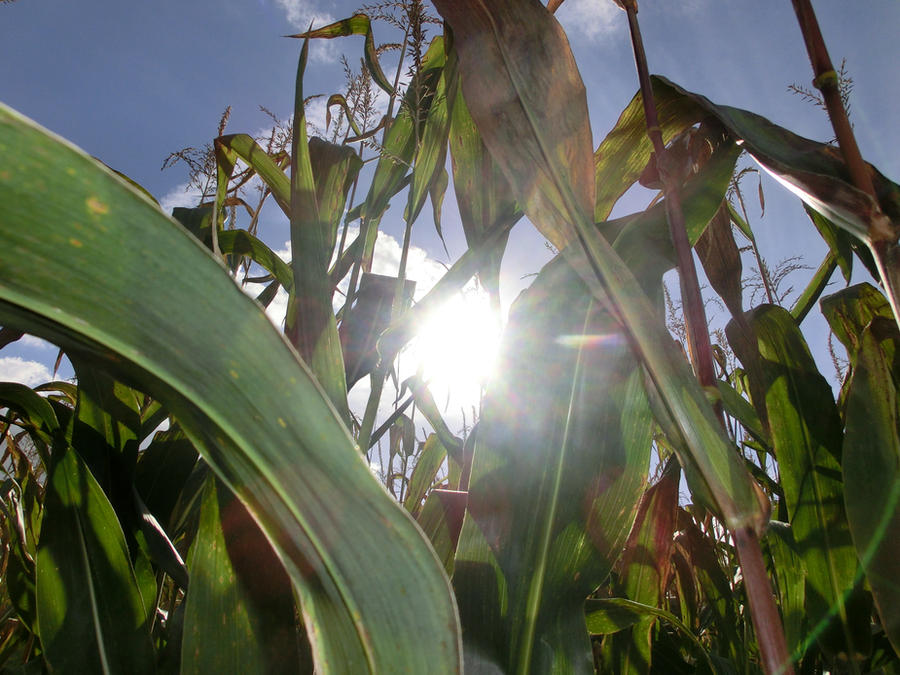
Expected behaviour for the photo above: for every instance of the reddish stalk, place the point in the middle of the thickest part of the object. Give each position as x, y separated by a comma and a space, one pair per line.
763, 612
699, 346
882, 233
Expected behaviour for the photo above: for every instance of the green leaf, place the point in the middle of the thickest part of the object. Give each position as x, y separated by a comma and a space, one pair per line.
239, 613
615, 614
162, 470
807, 299
850, 310
243, 398
358, 24
310, 324
258, 160
430, 460
561, 456
432, 151
806, 434
789, 584
91, 616
241, 243
872, 475
32, 407
531, 110
485, 200
813, 171
626, 150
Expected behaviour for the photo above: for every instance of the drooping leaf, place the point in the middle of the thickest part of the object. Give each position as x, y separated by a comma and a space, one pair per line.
239, 613
285, 454
721, 260
561, 455
814, 171
358, 24
806, 434
431, 154
871, 463
485, 200
527, 100
90, 613
849, 312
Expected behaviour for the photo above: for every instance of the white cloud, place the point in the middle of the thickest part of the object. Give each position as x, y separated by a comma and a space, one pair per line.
303, 13
35, 342
30, 373
180, 195
590, 18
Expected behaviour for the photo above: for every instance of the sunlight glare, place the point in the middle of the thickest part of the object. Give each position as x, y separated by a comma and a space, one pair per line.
456, 347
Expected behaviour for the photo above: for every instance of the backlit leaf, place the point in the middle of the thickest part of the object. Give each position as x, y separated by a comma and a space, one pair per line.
243, 398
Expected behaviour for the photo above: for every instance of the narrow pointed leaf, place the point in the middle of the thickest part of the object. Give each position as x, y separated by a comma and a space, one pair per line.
310, 324
285, 452
91, 616
429, 462
553, 490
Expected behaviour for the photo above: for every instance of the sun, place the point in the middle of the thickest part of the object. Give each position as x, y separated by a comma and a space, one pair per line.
456, 346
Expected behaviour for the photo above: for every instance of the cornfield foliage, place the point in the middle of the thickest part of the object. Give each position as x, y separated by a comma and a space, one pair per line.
251, 535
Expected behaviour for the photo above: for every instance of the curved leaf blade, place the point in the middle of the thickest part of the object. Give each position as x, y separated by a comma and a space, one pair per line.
286, 454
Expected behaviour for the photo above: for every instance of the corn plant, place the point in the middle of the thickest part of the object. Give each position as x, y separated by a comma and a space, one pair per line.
251, 536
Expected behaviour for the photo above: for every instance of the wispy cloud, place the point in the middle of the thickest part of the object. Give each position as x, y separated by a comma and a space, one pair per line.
302, 14
591, 19
16, 369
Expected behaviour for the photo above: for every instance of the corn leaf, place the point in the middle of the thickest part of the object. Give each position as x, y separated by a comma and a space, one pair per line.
525, 95
84, 270
91, 617
483, 194
358, 24
561, 454
239, 612
806, 434
789, 584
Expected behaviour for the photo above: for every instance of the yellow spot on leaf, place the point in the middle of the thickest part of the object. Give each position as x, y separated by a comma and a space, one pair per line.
234, 374
282, 423
74, 242
96, 206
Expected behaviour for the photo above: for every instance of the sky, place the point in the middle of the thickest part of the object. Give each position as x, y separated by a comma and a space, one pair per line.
132, 82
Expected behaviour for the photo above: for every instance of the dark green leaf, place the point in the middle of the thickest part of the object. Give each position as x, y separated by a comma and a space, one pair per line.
239, 613
91, 616
872, 476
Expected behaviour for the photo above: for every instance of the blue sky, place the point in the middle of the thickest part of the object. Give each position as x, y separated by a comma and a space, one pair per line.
131, 82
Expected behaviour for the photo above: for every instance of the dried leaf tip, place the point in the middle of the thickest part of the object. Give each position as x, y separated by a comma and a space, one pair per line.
627, 4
